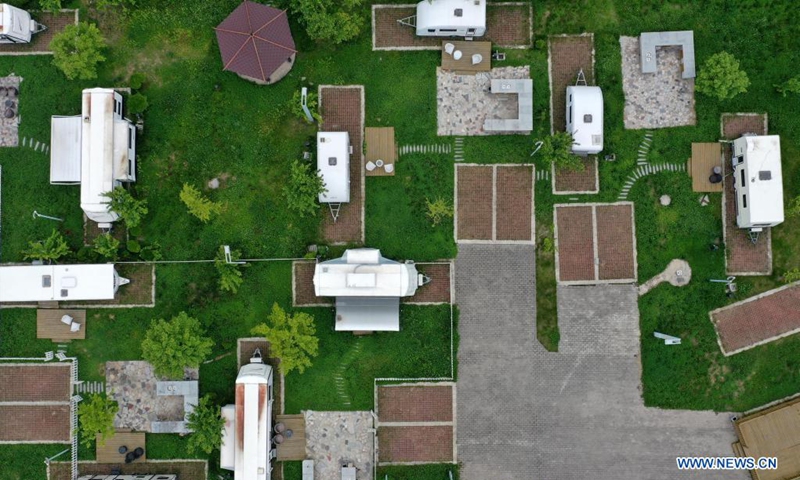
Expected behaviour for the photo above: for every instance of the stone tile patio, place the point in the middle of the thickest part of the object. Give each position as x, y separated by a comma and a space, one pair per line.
465, 101
9, 126
334, 439
659, 100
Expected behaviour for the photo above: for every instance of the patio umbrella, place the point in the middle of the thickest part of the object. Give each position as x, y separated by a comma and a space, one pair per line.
256, 43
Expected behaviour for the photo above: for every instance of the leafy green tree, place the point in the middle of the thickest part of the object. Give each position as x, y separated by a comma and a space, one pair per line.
96, 416
438, 210
303, 189
206, 424
77, 51
292, 338
789, 86
230, 274
49, 250
198, 205
50, 5
332, 21
792, 275
557, 149
131, 210
137, 103
170, 346
721, 77
106, 246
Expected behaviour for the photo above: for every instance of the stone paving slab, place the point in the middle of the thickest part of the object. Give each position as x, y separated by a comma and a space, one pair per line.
337, 438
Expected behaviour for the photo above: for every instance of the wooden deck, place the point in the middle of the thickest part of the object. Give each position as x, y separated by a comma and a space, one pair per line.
774, 432
705, 156
48, 325
293, 448
464, 65
109, 453
380, 146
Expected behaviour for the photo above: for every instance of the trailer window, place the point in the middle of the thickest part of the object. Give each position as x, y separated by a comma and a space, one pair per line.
431, 30
744, 201
130, 138
569, 118
742, 175
448, 30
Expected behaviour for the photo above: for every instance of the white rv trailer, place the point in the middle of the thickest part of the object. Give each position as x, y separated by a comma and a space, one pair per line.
17, 25
45, 283
585, 119
96, 149
451, 18
367, 288
758, 181
246, 438
333, 162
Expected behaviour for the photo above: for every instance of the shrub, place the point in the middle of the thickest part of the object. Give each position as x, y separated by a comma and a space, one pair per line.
438, 210
133, 246
792, 275
48, 250
230, 274
170, 346
292, 338
311, 102
123, 4
137, 103
96, 417
303, 189
106, 246
206, 424
789, 86
198, 205
137, 80
332, 21
721, 77
548, 246
557, 149
794, 207
130, 210
77, 50
50, 5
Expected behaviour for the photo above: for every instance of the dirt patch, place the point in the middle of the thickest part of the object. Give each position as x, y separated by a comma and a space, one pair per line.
428, 403
577, 181
514, 203
735, 125
438, 290
474, 205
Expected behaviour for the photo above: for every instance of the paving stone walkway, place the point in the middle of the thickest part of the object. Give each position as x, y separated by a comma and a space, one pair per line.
9, 113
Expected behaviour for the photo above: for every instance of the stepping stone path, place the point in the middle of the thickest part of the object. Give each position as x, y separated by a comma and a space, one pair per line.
431, 148
459, 155
36, 145
644, 167
90, 387
644, 148
338, 378
542, 175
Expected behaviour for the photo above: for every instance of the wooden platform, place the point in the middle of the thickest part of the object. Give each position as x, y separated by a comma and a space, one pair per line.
48, 325
464, 65
705, 156
109, 453
774, 432
380, 146
293, 448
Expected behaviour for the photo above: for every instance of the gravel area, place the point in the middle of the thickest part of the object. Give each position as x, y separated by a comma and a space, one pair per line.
9, 127
659, 100
334, 439
465, 101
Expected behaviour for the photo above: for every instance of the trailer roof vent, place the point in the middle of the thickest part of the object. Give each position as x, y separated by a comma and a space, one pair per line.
765, 175
332, 161
64, 293
587, 118
46, 281
459, 12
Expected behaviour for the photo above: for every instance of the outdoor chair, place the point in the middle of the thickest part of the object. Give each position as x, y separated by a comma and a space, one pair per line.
477, 58
389, 168
448, 48
370, 166
75, 327
457, 54
67, 320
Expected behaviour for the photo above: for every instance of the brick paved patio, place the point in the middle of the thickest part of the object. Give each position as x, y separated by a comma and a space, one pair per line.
343, 111
438, 290
474, 202
40, 42
507, 25
415, 403
742, 256
758, 320
514, 203
23, 419
586, 180
303, 292
417, 444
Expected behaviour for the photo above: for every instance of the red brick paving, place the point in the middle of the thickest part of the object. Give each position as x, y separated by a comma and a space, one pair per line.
743, 256
342, 112
304, 286
745, 324
514, 203
438, 290
575, 247
474, 203
415, 444
30, 423
615, 242
429, 403
585, 180
35, 383
55, 23
506, 26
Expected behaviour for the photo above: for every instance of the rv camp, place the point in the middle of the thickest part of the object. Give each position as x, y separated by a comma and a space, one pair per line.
406, 240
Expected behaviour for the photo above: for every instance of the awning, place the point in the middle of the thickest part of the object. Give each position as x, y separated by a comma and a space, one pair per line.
370, 314
65, 150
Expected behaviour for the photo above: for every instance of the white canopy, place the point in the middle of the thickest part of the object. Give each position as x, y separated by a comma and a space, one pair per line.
65, 150
42, 283
333, 162
372, 314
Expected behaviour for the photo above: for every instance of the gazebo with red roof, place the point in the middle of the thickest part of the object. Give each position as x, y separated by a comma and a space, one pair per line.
256, 43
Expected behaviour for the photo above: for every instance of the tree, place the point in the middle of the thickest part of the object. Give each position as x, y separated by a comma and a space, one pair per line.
331, 21
49, 250
198, 205
230, 274
303, 189
50, 5
129, 209
137, 103
77, 50
789, 86
206, 424
292, 338
96, 417
106, 246
170, 346
557, 149
438, 210
721, 77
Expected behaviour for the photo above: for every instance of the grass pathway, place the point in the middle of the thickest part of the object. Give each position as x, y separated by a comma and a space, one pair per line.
645, 168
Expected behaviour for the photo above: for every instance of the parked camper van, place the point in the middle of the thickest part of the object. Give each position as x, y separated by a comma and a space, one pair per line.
17, 25
758, 181
247, 437
585, 119
46, 283
451, 18
96, 149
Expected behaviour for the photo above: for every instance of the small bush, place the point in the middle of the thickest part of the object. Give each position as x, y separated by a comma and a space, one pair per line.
547, 246
557, 149
170, 346
77, 51
50, 5
198, 205
137, 103
130, 210
331, 21
789, 86
106, 246
48, 250
96, 417
303, 189
206, 424
311, 102
230, 274
792, 275
137, 80
133, 246
721, 77
438, 210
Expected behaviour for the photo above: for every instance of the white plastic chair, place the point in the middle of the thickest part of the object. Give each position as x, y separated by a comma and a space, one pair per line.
74, 327
448, 48
457, 54
389, 168
66, 320
370, 166
477, 58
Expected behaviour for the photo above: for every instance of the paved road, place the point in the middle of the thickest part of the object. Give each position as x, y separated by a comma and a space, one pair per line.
527, 414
